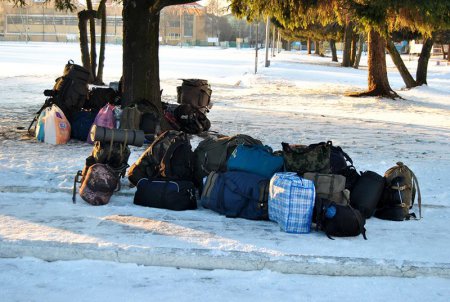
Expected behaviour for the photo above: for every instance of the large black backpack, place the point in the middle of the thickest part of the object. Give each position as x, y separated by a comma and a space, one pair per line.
191, 120
338, 220
71, 89
98, 97
170, 156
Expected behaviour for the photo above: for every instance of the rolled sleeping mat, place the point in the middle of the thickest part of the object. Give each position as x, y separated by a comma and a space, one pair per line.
125, 136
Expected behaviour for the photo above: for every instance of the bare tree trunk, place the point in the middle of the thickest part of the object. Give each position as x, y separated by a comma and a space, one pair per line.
101, 58
443, 51
448, 52
397, 59
308, 46
378, 81
83, 16
346, 54
334, 57
353, 51
140, 53
422, 65
360, 50
93, 52
316, 47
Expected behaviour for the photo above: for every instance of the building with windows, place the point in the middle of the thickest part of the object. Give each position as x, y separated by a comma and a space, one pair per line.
39, 21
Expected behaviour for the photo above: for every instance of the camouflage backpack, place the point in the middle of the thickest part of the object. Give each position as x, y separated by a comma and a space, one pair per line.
399, 194
114, 155
312, 158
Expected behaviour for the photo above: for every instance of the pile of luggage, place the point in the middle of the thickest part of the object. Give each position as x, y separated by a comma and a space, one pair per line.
296, 187
72, 108
237, 176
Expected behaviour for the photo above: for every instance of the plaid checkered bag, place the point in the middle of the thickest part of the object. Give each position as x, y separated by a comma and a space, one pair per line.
291, 202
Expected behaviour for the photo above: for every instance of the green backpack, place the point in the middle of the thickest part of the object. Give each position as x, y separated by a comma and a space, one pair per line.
212, 154
399, 194
312, 158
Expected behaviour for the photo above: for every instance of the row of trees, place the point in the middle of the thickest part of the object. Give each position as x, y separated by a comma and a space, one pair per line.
332, 20
349, 20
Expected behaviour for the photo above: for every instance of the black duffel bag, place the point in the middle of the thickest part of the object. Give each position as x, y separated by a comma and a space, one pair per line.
166, 194
367, 192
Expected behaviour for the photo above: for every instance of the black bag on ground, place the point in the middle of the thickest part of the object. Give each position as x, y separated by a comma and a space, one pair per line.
150, 119
191, 120
71, 89
166, 194
98, 97
367, 193
338, 220
195, 92
169, 157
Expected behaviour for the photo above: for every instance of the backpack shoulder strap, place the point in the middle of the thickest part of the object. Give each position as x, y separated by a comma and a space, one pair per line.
419, 197
358, 216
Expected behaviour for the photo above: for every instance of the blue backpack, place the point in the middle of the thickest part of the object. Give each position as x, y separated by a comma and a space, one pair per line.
81, 124
237, 194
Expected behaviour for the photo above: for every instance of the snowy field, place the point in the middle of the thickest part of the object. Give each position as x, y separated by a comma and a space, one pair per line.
299, 99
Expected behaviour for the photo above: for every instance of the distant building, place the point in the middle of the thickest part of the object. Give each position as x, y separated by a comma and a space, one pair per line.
38, 21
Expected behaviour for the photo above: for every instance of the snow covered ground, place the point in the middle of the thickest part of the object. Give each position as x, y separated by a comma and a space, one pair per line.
299, 99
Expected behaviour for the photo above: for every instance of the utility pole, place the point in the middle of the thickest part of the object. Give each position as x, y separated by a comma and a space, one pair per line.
267, 64
256, 47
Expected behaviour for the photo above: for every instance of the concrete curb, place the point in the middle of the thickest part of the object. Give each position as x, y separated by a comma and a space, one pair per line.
231, 260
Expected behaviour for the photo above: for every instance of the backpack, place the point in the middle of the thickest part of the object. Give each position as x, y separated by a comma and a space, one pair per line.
71, 89
330, 186
191, 120
213, 152
342, 164
237, 194
114, 155
338, 220
195, 92
98, 185
98, 97
312, 158
169, 157
81, 124
399, 194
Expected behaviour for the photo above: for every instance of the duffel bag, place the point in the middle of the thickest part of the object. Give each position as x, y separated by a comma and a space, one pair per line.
236, 194
166, 194
330, 186
291, 202
255, 159
338, 220
367, 192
